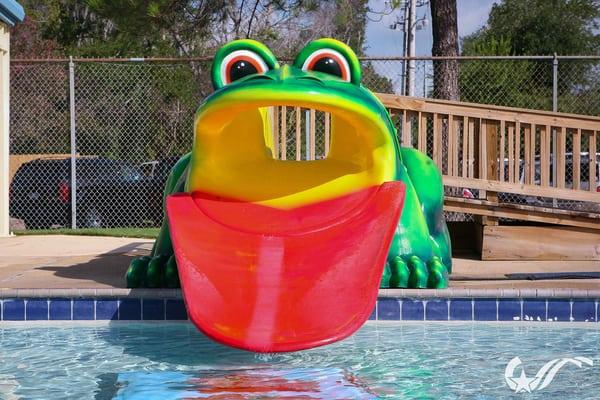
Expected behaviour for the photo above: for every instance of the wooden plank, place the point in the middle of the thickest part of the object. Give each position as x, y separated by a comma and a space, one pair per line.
327, 132
275, 127
592, 152
455, 146
471, 173
517, 153
487, 111
511, 153
518, 188
283, 150
437, 141
465, 148
506, 211
502, 155
532, 163
406, 129
312, 134
561, 144
491, 160
539, 243
450, 153
527, 151
483, 149
577, 159
422, 132
545, 155
298, 134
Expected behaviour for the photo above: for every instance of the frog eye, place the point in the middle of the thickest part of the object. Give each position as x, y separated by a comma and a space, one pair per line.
332, 57
239, 59
328, 61
241, 63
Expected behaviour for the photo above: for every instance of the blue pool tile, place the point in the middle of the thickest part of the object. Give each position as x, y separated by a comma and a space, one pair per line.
107, 309
130, 309
175, 310
153, 309
559, 310
412, 310
584, 310
509, 310
36, 310
485, 310
436, 310
388, 309
534, 310
461, 309
60, 309
13, 310
373, 315
83, 309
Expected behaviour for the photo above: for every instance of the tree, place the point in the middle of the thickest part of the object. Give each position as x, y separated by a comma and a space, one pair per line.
542, 27
445, 43
533, 27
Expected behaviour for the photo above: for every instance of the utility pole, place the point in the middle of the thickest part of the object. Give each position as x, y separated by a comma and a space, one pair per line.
412, 30
404, 52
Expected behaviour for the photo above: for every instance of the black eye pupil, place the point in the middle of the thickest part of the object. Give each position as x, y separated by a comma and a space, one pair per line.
329, 66
240, 69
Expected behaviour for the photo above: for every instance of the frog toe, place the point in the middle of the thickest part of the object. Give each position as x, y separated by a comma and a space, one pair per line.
155, 275
438, 274
136, 273
171, 274
419, 274
398, 273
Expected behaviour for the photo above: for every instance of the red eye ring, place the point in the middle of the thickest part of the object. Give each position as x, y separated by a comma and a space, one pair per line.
319, 55
254, 61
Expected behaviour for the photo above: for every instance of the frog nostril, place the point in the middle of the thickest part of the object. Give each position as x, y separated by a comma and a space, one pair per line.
310, 78
260, 77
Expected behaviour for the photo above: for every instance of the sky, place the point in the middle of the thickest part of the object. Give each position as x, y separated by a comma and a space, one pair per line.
383, 41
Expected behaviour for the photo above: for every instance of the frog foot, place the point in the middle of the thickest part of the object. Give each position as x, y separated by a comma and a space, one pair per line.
158, 271
414, 273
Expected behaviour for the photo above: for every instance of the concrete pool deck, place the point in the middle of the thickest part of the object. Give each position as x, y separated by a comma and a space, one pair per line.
92, 262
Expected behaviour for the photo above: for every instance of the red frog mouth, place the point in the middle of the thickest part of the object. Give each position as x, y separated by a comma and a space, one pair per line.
267, 279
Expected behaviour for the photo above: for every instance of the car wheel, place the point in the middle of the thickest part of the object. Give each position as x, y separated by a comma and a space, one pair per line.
93, 219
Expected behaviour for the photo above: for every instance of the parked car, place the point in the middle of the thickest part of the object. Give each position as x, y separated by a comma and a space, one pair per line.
524, 198
157, 172
109, 193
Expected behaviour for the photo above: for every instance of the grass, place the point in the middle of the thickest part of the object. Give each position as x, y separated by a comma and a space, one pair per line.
149, 233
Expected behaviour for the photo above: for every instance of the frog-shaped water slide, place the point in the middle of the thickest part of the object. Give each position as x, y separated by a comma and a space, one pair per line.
279, 255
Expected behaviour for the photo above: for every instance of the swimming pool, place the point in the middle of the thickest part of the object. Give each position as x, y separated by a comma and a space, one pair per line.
391, 360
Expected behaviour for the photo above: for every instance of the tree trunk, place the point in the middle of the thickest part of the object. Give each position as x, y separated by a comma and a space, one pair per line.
445, 43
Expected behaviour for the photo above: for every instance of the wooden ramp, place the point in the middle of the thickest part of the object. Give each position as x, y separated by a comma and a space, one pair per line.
529, 178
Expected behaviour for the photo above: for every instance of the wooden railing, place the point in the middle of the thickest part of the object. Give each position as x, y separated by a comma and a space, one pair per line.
501, 150
498, 151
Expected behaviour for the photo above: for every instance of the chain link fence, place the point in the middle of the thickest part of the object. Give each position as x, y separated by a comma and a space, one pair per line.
92, 141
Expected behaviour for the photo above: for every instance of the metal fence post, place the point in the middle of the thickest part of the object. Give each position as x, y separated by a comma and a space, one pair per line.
555, 109
555, 83
73, 144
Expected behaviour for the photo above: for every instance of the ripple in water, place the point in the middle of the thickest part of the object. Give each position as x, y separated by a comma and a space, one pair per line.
387, 361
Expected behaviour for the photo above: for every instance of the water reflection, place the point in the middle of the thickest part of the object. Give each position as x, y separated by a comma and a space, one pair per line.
248, 384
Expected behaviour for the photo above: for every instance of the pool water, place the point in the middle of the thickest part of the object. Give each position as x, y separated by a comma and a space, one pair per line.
383, 360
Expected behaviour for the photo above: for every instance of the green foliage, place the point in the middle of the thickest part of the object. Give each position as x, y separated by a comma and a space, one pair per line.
531, 27
542, 27
149, 233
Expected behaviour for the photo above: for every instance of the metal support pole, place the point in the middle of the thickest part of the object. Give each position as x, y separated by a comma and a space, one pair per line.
555, 83
404, 50
73, 144
4, 129
555, 109
412, 31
